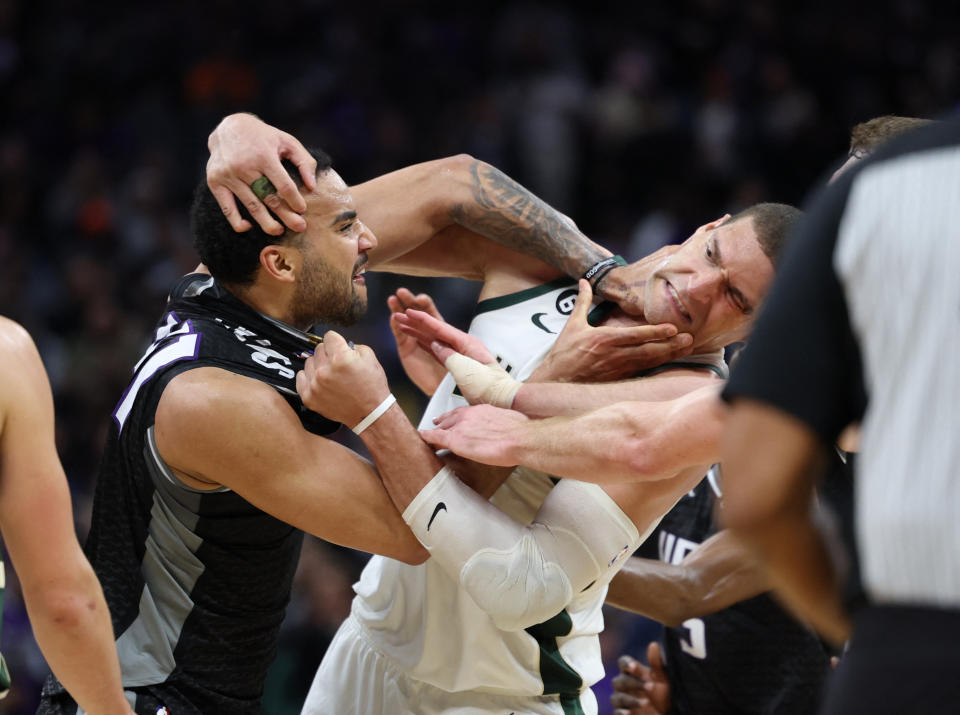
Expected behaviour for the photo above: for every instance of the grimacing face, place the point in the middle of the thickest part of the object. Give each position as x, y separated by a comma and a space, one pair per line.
330, 286
712, 285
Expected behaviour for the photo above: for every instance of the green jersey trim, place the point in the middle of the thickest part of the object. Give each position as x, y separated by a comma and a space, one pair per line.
559, 678
505, 301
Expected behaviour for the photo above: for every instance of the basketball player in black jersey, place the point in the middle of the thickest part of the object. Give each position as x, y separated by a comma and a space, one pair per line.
727, 646
212, 465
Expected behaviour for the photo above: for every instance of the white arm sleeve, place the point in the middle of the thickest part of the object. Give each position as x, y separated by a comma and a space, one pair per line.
521, 575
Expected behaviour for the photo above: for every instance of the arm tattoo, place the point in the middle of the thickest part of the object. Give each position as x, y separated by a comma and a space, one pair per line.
505, 212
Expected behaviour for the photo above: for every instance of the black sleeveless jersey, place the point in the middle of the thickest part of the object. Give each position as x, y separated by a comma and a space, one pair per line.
752, 657
197, 581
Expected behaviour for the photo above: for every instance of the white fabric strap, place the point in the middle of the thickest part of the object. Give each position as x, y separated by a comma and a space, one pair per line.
377, 411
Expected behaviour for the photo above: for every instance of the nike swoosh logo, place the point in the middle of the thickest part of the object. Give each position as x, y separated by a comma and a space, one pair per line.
535, 319
436, 510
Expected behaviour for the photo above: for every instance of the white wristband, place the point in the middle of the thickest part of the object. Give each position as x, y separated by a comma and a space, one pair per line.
373, 416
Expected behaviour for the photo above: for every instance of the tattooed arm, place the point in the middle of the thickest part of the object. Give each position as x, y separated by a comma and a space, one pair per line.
442, 200
459, 198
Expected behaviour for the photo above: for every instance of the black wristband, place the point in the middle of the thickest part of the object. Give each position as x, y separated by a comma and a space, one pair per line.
598, 270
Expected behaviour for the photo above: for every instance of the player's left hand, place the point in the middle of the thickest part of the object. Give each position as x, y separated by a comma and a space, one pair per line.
342, 383
641, 689
584, 353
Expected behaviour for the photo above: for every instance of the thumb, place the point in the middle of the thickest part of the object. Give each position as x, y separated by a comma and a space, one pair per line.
584, 300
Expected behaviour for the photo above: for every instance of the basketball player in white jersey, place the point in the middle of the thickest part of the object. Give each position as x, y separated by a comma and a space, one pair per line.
419, 640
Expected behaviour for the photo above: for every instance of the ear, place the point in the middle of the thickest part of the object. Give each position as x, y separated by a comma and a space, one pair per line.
707, 227
280, 262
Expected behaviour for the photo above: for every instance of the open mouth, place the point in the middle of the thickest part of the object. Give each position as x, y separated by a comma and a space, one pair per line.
675, 299
359, 269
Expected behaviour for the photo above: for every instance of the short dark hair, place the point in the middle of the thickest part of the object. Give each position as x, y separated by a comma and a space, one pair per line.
868, 136
772, 223
233, 257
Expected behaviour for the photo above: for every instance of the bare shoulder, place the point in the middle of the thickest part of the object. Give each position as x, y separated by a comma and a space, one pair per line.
207, 416
15, 342
20, 366
194, 397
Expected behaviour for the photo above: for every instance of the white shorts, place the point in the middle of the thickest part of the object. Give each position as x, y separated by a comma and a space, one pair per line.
354, 679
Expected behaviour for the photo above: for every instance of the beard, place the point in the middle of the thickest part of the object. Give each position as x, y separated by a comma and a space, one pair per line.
324, 295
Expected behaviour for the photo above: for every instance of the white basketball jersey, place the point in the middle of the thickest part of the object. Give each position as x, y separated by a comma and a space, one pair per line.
422, 619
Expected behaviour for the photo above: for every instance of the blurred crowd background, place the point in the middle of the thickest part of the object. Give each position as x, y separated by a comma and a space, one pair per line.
641, 120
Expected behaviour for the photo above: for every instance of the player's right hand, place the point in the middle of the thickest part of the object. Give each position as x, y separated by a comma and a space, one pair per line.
343, 384
641, 689
242, 149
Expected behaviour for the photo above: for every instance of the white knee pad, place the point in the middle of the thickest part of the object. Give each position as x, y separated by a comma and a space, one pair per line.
522, 575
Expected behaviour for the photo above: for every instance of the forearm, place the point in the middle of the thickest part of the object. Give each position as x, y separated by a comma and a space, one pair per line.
484, 479
551, 399
715, 575
504, 211
594, 447
771, 463
800, 571
404, 461
626, 441
457, 198
653, 589
72, 626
